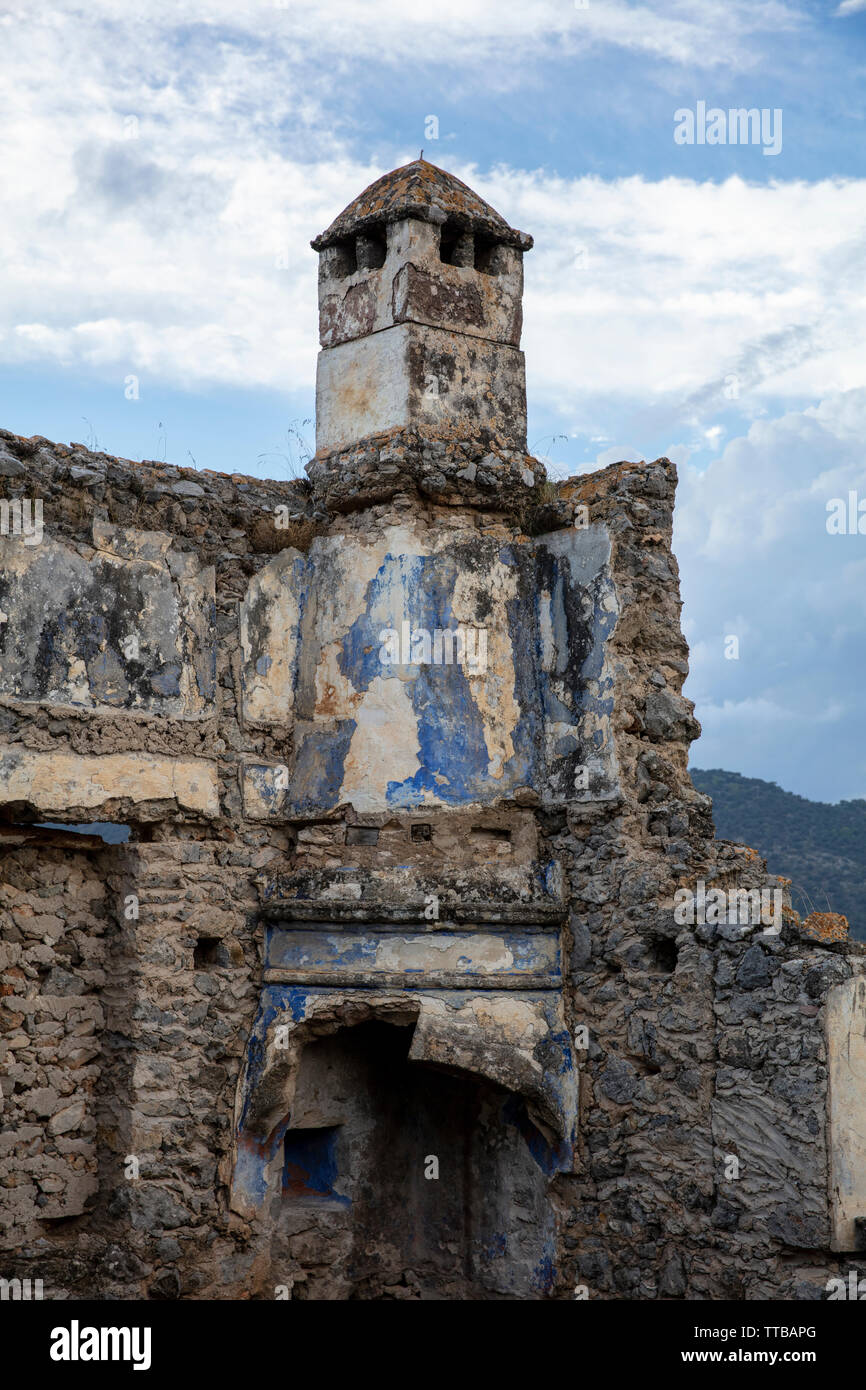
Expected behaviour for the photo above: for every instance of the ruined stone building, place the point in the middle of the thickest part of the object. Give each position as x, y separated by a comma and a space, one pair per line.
382, 990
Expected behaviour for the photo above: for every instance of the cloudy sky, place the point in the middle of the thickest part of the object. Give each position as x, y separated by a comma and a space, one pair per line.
166, 164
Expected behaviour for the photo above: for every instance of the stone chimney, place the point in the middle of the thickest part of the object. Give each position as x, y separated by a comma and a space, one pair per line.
420, 314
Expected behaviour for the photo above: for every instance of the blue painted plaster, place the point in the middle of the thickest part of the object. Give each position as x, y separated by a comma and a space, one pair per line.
570, 566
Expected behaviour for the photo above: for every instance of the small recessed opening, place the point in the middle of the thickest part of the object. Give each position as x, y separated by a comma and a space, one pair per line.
310, 1163
488, 257
490, 832
362, 835
109, 832
421, 832
209, 951
371, 248
343, 259
57, 832
663, 954
456, 245
60, 1224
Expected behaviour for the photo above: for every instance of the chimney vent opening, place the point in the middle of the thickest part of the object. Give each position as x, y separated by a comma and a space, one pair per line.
370, 249
456, 245
489, 258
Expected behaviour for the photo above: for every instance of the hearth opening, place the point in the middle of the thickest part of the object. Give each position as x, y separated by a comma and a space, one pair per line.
425, 1182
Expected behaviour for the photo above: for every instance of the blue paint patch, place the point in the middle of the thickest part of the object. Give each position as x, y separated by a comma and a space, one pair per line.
496, 1248
253, 1157
276, 1000
544, 1273
417, 590
166, 681
310, 1164
550, 874
255, 1152
336, 951
318, 772
549, 1158
262, 778
562, 1041
289, 949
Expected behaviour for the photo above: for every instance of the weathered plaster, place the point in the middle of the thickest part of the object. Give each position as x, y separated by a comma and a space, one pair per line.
846, 1049
377, 734
128, 624
52, 783
414, 374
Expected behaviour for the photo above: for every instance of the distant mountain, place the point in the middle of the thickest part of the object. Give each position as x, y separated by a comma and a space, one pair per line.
820, 847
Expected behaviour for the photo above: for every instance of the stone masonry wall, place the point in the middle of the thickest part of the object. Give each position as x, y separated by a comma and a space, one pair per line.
53, 925
706, 1043
130, 975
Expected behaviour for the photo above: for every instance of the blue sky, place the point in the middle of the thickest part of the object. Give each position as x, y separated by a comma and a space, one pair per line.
165, 170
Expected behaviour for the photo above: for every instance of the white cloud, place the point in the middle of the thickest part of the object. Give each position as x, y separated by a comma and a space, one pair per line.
463, 33
695, 294
191, 261
850, 7
183, 253
756, 561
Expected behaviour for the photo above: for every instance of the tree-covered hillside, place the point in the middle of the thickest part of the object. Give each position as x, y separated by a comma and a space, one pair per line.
820, 847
